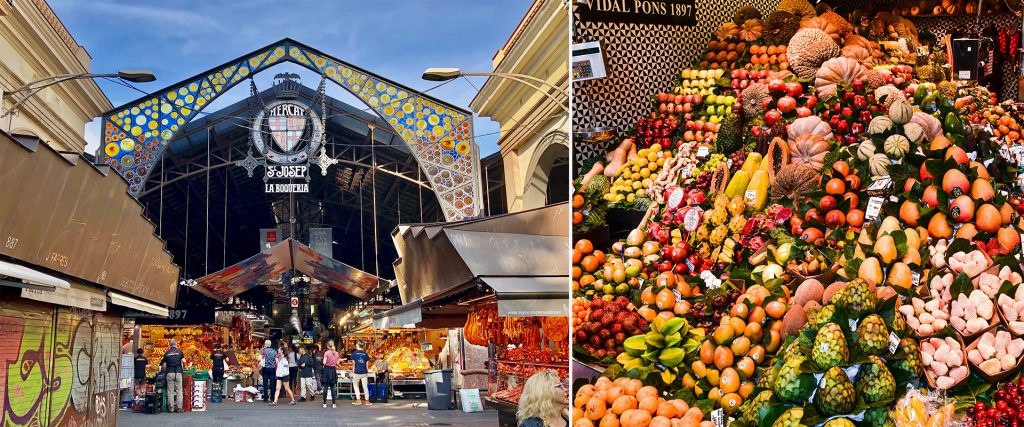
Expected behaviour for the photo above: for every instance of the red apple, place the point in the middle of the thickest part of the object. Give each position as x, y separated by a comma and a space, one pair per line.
772, 116
794, 89
803, 111
786, 104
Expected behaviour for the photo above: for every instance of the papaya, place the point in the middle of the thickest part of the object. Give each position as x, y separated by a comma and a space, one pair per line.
752, 163
737, 184
759, 185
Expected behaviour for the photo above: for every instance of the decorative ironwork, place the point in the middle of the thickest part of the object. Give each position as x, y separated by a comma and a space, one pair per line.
324, 161
250, 163
439, 135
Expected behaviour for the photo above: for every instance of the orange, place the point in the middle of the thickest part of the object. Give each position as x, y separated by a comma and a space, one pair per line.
577, 217
649, 404
589, 264
584, 245
577, 201
576, 256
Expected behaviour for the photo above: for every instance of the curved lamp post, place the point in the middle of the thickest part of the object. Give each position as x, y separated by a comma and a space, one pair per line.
33, 87
444, 74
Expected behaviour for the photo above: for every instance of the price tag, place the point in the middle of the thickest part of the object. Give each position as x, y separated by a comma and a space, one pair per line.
703, 151
915, 277
964, 74
718, 417
685, 171
689, 265
729, 162
751, 196
973, 155
853, 325
894, 342
874, 208
710, 281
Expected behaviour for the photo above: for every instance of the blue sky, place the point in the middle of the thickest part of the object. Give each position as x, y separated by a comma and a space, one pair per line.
176, 39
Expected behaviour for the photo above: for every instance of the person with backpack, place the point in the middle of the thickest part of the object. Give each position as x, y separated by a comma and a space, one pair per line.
268, 369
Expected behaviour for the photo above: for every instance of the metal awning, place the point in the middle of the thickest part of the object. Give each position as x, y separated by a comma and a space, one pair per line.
62, 212
267, 266
127, 301
530, 296
397, 317
437, 258
29, 278
80, 295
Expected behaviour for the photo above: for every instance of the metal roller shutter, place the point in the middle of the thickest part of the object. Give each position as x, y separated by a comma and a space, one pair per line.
26, 347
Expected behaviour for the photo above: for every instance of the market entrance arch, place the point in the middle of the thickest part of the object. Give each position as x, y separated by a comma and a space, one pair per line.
439, 135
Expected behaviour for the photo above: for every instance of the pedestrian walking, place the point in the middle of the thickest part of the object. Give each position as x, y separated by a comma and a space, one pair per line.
306, 382
359, 373
293, 367
329, 378
171, 362
282, 376
217, 360
268, 368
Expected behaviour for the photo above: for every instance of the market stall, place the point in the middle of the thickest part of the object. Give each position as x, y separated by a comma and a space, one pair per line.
817, 223
455, 275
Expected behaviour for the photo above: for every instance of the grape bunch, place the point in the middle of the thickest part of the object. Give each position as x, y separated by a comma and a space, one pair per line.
737, 157
702, 181
712, 162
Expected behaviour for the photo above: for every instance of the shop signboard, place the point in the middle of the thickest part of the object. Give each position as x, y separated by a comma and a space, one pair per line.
665, 12
179, 316
268, 238
78, 296
320, 240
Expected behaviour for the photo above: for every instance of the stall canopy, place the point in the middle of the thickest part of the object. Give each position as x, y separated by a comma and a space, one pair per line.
61, 212
266, 268
523, 257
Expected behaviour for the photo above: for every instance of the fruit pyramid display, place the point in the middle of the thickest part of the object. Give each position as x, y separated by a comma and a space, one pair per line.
832, 237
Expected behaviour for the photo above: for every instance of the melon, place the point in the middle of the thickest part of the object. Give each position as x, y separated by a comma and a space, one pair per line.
866, 149
896, 146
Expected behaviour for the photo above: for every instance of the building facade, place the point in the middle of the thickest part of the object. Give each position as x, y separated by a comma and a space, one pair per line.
63, 284
35, 44
534, 142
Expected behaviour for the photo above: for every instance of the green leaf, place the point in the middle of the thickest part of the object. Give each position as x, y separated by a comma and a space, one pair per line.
767, 416
961, 285
705, 405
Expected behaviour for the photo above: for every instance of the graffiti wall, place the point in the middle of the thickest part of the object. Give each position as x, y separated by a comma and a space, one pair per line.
58, 367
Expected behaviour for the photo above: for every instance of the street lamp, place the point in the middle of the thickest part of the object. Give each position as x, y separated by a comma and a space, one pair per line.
135, 76
445, 74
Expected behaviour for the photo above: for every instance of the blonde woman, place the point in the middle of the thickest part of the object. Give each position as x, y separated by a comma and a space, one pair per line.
543, 402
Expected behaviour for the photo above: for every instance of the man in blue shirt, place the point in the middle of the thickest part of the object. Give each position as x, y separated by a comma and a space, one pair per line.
359, 373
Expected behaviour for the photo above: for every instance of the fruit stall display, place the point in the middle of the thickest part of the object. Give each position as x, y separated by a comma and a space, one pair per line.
839, 245
195, 342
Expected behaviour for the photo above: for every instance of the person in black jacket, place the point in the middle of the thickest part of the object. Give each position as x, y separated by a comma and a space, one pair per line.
172, 362
217, 358
307, 383
140, 367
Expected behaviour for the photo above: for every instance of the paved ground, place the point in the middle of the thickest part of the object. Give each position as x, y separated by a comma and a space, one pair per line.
404, 413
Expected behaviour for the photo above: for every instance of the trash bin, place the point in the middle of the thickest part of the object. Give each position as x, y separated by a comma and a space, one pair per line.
439, 389
378, 393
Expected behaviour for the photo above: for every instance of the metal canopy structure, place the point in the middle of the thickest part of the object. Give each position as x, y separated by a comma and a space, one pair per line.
288, 255
210, 211
439, 135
